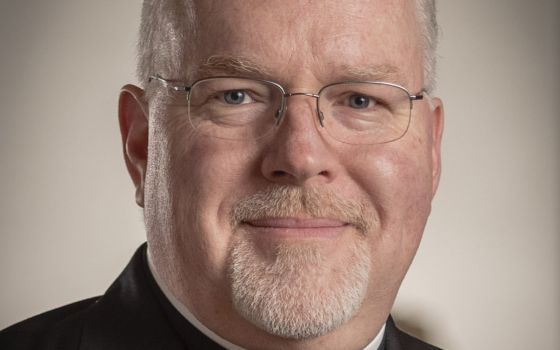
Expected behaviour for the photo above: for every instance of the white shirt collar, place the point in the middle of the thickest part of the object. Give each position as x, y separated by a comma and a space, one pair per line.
184, 311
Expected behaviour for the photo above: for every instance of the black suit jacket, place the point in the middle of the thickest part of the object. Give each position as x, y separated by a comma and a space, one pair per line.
133, 314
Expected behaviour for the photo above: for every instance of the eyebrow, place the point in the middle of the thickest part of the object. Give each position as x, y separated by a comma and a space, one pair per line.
377, 72
230, 65
244, 66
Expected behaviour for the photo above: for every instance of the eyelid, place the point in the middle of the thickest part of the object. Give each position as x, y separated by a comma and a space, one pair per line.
349, 94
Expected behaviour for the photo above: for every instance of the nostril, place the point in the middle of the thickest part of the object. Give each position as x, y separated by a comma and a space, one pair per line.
279, 173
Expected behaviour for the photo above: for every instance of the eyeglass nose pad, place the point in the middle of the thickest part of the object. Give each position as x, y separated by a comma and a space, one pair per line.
278, 116
321, 118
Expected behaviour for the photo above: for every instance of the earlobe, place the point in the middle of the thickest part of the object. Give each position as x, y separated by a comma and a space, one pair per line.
133, 121
437, 115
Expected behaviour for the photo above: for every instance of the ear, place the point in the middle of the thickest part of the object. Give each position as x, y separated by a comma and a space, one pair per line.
133, 120
437, 117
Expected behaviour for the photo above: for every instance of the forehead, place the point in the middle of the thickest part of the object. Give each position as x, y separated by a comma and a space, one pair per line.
310, 38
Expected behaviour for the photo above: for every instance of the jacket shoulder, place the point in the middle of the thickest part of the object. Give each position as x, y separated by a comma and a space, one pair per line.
395, 339
59, 328
412, 343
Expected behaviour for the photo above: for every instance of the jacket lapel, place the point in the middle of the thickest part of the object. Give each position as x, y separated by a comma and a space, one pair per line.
128, 316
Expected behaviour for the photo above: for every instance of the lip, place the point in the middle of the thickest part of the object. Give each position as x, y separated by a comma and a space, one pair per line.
302, 228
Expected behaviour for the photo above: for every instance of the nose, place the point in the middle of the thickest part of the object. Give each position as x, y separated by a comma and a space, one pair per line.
298, 152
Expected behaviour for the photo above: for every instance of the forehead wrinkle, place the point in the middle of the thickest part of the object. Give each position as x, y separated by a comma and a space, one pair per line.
230, 65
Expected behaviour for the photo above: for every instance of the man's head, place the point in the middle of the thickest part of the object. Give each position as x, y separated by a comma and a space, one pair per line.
293, 235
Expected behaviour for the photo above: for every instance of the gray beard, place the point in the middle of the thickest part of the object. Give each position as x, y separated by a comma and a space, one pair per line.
292, 291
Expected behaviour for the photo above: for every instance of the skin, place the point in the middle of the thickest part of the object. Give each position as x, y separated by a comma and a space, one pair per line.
188, 183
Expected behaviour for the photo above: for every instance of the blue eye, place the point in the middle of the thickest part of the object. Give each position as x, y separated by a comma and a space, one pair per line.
234, 97
359, 101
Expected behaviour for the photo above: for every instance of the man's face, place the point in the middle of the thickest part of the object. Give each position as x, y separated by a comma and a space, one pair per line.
297, 232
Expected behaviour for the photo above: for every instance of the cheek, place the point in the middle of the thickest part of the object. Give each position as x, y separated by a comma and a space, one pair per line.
191, 182
398, 184
206, 176
398, 187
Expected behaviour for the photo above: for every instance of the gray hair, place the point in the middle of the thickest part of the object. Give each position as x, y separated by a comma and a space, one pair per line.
427, 16
169, 26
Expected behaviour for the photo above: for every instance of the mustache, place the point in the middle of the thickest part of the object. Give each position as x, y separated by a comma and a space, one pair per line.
290, 201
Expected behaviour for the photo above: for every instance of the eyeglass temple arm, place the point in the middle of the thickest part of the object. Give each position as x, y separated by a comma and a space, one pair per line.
169, 84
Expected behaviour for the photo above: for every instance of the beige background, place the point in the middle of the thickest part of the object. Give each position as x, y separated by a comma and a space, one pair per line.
488, 272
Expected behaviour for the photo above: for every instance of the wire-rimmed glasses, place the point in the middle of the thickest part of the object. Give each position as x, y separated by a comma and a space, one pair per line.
354, 112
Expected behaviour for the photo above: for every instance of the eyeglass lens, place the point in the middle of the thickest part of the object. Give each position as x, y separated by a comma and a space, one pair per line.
357, 113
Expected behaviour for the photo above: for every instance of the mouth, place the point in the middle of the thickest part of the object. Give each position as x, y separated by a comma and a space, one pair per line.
297, 228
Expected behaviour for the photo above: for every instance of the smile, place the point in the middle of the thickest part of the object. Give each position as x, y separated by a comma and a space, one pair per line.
299, 228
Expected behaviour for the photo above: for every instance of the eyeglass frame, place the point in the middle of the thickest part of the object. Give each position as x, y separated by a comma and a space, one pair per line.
280, 113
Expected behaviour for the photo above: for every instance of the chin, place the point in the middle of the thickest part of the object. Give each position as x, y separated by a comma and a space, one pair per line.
297, 291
